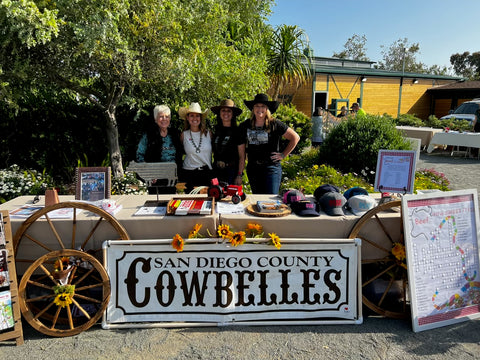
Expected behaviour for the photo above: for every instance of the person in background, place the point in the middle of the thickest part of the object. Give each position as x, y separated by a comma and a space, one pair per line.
357, 111
228, 164
197, 144
343, 112
161, 143
260, 137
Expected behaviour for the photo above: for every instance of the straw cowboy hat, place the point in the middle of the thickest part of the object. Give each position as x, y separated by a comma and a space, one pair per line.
262, 99
192, 108
227, 103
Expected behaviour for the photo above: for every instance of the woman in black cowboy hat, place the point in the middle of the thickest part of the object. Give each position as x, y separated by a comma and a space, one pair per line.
261, 136
225, 144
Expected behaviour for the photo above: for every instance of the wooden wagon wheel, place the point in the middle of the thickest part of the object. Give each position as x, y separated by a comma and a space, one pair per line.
384, 276
36, 247
70, 286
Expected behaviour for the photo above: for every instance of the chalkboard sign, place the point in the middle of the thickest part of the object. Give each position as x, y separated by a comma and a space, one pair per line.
10, 318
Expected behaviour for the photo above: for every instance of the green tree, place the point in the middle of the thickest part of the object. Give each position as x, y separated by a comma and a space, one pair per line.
115, 52
287, 63
466, 65
402, 56
354, 49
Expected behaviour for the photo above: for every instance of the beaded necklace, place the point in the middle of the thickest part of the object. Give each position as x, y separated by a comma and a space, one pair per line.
197, 148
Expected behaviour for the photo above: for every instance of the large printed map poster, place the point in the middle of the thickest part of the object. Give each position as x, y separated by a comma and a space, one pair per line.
441, 238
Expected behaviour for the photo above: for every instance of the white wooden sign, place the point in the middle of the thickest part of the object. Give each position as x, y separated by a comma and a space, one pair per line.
306, 281
442, 247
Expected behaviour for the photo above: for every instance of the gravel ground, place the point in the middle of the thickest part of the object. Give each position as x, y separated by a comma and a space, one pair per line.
376, 338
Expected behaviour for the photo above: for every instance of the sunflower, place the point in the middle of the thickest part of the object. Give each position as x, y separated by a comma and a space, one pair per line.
254, 230
224, 231
178, 243
275, 240
398, 250
63, 299
195, 232
237, 238
61, 263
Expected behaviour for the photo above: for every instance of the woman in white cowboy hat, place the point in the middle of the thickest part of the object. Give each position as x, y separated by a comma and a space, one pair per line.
261, 135
228, 165
197, 143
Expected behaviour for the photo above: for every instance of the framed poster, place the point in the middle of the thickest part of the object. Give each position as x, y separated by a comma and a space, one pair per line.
442, 248
93, 183
310, 281
395, 171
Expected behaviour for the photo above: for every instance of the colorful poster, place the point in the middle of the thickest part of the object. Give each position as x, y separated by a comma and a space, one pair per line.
441, 238
6, 311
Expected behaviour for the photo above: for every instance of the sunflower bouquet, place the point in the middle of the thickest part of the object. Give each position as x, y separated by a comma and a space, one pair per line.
224, 232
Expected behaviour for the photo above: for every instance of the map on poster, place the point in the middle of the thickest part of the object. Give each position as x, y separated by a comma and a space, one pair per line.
442, 257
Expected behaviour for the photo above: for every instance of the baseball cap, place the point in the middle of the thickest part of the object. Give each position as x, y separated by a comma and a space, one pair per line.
323, 189
292, 196
360, 204
332, 203
305, 208
354, 191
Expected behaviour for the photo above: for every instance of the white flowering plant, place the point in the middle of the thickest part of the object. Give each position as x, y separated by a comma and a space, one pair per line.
16, 182
128, 185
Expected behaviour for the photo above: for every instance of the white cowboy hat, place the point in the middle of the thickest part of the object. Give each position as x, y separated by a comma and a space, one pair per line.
192, 108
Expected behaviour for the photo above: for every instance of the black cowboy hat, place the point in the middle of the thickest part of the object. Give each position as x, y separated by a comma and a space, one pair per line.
229, 104
262, 99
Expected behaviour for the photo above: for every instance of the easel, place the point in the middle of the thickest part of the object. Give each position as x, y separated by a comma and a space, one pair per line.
17, 332
387, 198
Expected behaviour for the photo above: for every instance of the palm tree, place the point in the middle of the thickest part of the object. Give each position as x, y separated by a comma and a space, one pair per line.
287, 63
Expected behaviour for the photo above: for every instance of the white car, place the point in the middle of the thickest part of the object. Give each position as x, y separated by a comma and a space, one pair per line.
465, 111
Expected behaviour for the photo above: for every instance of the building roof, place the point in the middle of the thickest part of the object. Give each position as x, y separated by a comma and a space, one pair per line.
461, 85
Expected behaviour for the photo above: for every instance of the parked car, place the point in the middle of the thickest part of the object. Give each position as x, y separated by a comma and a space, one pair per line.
465, 111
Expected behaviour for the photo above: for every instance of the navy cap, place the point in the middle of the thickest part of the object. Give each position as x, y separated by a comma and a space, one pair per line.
305, 208
323, 189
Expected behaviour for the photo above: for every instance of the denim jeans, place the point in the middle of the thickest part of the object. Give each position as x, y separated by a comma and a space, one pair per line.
264, 179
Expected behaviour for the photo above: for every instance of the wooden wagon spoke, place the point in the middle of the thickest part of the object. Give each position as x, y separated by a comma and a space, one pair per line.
379, 274
87, 315
70, 319
48, 273
387, 290
54, 230
55, 318
374, 261
99, 221
40, 313
74, 229
78, 281
38, 284
29, 237
87, 287
374, 244
88, 298
40, 298
384, 229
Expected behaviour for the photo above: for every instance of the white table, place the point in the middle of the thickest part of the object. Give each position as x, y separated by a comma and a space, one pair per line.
425, 134
466, 139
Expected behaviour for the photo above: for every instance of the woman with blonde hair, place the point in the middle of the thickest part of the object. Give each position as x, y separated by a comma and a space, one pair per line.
197, 144
260, 138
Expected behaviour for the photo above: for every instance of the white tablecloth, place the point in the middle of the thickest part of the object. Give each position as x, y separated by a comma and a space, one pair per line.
466, 139
425, 134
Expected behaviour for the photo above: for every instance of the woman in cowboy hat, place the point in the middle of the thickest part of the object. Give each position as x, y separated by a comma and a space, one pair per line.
261, 136
228, 166
197, 143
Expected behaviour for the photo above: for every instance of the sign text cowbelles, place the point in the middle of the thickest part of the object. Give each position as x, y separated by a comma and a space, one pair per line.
222, 284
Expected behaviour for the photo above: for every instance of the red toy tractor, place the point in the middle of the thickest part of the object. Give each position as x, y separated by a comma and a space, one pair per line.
219, 192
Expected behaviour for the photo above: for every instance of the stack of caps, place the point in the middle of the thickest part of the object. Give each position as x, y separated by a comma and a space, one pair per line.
358, 200
299, 204
329, 198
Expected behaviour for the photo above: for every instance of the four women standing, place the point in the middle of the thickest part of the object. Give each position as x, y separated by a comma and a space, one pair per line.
257, 139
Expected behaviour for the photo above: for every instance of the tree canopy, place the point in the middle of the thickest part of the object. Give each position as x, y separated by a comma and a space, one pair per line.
354, 49
114, 52
466, 64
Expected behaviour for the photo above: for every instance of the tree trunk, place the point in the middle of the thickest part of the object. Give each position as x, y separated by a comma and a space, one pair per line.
114, 145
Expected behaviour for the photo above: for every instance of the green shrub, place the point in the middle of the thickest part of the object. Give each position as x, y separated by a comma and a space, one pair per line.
409, 120
353, 145
299, 122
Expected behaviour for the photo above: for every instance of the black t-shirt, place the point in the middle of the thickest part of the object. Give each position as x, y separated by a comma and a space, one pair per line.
260, 143
225, 144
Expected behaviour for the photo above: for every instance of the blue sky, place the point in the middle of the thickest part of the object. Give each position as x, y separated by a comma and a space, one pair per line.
441, 27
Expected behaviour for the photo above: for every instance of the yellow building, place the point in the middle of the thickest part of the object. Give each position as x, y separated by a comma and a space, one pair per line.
340, 82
